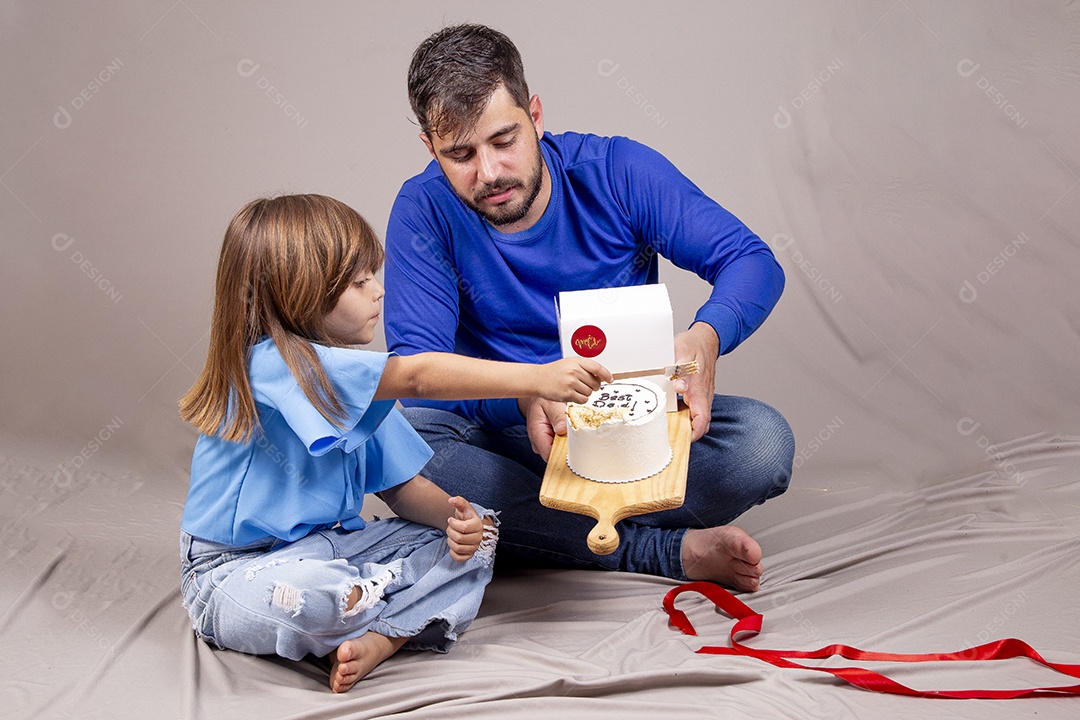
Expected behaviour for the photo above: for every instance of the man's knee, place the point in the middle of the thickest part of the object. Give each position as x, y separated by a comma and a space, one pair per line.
766, 444
434, 423
778, 445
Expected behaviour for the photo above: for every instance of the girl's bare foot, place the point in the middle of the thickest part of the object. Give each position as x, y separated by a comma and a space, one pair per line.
357, 657
724, 555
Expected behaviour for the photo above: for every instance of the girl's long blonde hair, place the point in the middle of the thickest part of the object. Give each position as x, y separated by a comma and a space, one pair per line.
284, 263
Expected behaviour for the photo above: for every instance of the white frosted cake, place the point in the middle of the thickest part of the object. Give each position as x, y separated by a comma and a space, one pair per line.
620, 434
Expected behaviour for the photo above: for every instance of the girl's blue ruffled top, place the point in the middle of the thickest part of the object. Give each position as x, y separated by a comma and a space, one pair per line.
300, 472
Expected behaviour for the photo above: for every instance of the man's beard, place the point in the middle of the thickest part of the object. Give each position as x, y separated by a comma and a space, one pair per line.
508, 214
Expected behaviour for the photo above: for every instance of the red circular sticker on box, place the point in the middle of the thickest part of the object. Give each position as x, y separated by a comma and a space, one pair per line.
588, 341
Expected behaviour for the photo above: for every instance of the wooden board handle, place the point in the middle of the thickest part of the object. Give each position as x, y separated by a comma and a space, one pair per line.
603, 539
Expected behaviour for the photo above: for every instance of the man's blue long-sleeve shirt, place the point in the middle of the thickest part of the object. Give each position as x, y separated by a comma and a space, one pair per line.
454, 283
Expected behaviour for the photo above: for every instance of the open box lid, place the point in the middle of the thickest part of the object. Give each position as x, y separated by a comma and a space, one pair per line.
623, 328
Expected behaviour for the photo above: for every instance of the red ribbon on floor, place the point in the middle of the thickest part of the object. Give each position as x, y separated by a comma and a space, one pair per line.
748, 621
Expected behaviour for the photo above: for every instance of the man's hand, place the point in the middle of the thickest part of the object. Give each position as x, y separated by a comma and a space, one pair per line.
698, 343
544, 420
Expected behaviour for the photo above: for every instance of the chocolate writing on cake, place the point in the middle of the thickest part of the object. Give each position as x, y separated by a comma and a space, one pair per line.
626, 396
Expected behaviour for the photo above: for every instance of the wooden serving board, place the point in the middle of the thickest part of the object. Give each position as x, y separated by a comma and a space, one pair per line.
608, 503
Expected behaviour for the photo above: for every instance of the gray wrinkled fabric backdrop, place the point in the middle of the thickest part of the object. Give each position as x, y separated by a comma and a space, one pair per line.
913, 165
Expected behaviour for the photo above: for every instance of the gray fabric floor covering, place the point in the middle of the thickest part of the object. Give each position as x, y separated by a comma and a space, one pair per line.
913, 165
92, 624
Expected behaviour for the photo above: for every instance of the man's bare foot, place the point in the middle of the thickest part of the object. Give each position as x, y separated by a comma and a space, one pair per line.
357, 657
724, 555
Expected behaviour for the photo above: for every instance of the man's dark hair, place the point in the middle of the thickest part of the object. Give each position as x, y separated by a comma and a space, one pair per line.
454, 73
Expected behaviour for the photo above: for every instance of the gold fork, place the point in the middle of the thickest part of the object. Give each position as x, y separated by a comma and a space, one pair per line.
672, 371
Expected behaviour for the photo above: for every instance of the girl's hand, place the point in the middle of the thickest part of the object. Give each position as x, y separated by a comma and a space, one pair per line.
464, 530
571, 379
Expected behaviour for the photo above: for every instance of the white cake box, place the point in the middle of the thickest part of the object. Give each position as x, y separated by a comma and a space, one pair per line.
622, 328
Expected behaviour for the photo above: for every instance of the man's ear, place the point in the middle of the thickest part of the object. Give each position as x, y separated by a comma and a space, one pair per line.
536, 114
427, 143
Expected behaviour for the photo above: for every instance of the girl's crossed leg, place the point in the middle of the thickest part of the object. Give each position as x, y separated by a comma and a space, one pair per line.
356, 597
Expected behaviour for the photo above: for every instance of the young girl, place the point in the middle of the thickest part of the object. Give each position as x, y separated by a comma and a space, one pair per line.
297, 425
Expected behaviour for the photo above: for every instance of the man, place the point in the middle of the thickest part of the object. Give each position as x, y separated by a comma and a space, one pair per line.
480, 244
